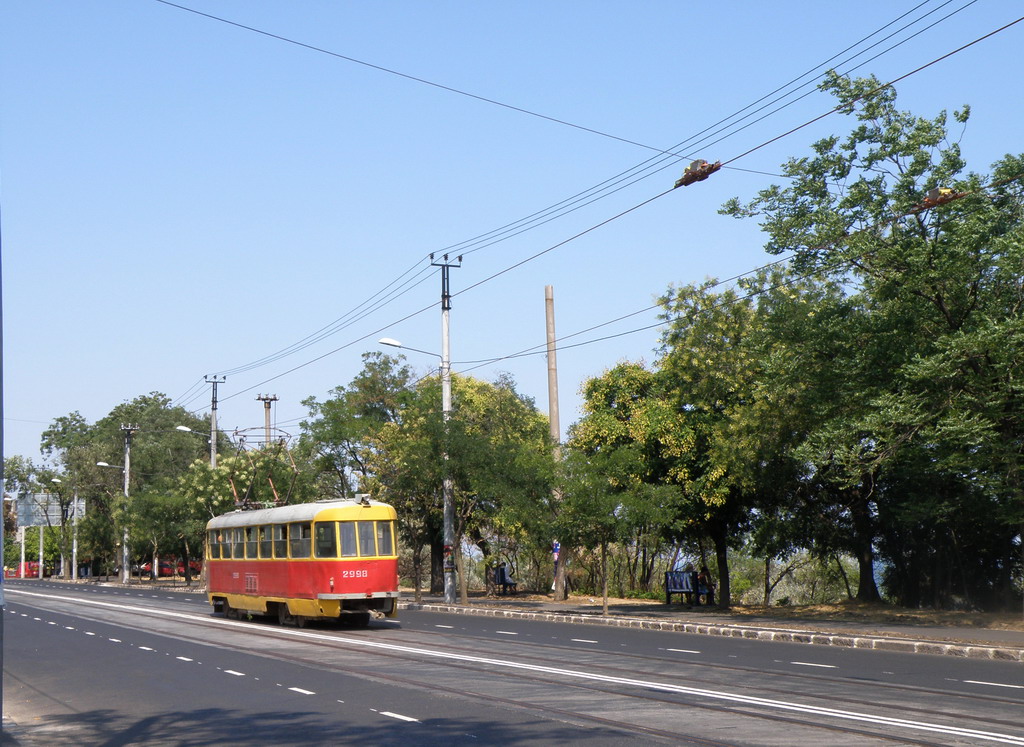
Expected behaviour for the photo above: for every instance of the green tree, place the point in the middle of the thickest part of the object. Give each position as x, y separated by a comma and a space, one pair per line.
160, 454
929, 338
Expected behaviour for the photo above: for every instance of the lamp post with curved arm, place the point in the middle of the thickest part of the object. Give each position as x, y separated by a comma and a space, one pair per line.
126, 469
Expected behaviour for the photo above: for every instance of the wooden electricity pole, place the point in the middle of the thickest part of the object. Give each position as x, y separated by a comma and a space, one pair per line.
560, 553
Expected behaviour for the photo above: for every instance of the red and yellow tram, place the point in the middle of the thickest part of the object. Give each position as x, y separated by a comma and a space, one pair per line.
329, 559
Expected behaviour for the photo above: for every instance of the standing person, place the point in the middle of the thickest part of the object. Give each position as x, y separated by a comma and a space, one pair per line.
705, 586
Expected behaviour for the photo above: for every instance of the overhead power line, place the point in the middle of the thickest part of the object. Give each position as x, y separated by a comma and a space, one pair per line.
604, 189
635, 207
929, 203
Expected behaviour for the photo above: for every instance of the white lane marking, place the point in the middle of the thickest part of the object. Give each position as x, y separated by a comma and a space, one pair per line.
114, 640
994, 684
51, 623
68, 627
720, 695
88, 633
683, 650
811, 664
232, 671
146, 648
447, 627
183, 658
399, 716
582, 640
300, 691
505, 632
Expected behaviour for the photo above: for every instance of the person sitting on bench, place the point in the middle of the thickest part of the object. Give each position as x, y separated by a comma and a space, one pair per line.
503, 578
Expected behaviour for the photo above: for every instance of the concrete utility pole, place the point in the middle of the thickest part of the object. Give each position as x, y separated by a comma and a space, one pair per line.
125, 566
446, 408
213, 417
266, 399
555, 428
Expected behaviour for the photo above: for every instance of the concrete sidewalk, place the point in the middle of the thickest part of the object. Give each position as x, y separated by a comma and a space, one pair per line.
975, 643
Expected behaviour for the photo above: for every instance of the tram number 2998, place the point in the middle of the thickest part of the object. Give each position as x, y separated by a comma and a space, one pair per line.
354, 574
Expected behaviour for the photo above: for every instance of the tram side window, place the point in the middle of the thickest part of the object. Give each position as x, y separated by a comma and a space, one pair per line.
238, 545
385, 546
366, 538
266, 543
280, 540
250, 542
326, 539
213, 543
348, 539
299, 539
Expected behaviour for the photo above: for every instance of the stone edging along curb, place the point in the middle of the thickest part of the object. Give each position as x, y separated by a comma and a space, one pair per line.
900, 645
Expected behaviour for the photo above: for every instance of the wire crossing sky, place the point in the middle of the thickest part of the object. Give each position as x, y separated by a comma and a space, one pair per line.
184, 196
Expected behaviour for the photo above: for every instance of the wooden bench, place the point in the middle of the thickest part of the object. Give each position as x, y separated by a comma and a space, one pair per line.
680, 582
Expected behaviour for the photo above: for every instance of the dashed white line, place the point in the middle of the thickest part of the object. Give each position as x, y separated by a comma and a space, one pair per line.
399, 716
993, 684
505, 632
300, 691
183, 658
811, 664
233, 672
146, 648
582, 640
683, 650
447, 627
114, 640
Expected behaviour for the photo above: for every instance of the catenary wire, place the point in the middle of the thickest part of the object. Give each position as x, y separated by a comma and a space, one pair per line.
344, 322
635, 207
536, 349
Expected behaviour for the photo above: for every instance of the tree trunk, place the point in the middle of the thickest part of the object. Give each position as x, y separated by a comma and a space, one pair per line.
460, 568
604, 578
437, 566
722, 557
561, 592
846, 579
417, 573
864, 537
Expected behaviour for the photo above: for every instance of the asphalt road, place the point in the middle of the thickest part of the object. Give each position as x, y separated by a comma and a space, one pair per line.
103, 665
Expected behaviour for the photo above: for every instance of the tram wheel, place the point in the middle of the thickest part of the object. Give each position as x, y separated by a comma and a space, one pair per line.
284, 618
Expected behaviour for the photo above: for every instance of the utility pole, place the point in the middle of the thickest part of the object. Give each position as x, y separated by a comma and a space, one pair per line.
213, 417
128, 430
448, 537
555, 430
266, 399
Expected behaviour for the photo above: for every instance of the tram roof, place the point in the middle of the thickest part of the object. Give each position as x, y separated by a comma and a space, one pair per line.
295, 512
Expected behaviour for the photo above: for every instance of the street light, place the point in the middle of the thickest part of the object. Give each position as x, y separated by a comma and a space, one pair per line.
125, 568
448, 498
210, 440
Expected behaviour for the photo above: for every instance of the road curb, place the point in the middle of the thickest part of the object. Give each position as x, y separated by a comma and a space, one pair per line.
778, 635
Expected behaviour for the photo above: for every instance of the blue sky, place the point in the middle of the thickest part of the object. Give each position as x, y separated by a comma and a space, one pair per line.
182, 196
